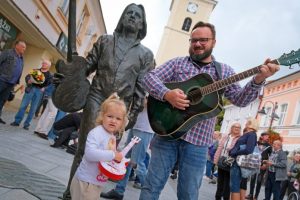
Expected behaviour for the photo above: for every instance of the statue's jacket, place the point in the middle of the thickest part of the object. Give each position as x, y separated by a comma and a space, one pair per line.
118, 71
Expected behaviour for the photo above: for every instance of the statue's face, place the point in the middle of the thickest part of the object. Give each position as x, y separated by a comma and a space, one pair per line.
133, 19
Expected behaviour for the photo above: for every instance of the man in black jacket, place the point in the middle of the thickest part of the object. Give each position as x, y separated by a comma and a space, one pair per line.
11, 67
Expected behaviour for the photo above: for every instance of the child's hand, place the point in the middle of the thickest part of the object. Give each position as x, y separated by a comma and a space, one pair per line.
118, 156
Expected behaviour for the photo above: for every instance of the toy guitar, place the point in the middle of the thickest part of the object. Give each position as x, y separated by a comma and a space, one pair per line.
117, 170
202, 92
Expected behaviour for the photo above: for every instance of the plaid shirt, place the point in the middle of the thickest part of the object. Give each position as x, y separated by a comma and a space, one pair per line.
183, 68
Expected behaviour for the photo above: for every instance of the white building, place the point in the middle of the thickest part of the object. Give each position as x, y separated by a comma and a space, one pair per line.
237, 114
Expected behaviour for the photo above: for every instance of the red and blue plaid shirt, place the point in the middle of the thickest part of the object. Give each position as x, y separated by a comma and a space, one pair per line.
183, 68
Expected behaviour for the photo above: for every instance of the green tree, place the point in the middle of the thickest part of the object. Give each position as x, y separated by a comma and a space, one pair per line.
220, 116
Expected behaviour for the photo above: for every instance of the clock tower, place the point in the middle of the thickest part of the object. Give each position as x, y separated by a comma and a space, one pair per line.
184, 14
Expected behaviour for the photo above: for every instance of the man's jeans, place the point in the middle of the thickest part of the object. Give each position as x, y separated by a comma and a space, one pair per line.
209, 169
33, 98
59, 115
164, 153
138, 155
272, 187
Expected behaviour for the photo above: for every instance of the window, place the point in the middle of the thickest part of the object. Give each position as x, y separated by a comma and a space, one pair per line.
65, 7
187, 24
297, 121
282, 114
266, 118
82, 23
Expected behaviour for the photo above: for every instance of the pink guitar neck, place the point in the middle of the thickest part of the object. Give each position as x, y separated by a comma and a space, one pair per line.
129, 146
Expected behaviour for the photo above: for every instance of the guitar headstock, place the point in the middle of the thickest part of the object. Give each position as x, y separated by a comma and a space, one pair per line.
289, 59
135, 139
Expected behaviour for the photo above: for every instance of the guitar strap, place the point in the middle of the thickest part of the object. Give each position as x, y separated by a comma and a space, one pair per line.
218, 67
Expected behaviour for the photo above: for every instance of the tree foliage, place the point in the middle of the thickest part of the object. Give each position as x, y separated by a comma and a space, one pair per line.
220, 116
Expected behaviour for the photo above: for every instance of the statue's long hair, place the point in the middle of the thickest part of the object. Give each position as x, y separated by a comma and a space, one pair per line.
142, 33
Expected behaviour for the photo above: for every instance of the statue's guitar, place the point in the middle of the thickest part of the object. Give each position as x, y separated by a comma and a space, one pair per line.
202, 92
70, 95
117, 170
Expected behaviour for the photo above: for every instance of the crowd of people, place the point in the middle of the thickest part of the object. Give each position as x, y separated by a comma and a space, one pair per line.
276, 171
117, 102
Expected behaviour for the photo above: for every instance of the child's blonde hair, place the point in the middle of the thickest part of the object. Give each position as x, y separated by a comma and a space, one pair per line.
113, 100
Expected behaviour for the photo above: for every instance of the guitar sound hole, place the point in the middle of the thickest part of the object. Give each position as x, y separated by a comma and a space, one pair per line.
194, 95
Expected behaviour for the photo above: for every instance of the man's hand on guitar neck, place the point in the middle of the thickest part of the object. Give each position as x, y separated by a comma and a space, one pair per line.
266, 70
177, 99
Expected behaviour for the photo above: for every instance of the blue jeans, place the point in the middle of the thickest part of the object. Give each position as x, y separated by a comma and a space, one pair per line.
272, 186
60, 114
209, 168
164, 154
235, 178
137, 157
33, 98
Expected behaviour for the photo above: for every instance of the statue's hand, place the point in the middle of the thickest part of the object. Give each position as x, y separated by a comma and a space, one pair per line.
58, 78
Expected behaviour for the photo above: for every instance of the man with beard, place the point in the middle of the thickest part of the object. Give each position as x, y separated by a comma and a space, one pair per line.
191, 149
120, 62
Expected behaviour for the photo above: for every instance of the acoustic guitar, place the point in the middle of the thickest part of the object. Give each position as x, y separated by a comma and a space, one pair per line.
116, 170
202, 92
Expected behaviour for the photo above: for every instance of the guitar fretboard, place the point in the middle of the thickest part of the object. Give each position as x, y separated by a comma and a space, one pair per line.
218, 85
130, 145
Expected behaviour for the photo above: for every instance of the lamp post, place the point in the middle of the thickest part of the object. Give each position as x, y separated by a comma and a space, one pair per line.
273, 113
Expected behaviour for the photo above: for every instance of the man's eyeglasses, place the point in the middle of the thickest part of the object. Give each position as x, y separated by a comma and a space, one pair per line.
201, 40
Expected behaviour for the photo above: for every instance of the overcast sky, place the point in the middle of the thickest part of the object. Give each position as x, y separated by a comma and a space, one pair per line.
248, 32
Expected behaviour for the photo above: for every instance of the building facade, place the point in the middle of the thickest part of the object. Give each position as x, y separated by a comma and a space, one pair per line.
184, 14
281, 102
43, 25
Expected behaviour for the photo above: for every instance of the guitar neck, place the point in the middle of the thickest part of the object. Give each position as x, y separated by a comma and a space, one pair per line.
218, 85
127, 148
72, 31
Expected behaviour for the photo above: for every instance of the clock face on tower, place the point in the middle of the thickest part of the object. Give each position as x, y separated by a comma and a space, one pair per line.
192, 7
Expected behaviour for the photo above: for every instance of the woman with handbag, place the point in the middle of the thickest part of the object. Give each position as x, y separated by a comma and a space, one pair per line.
244, 146
226, 143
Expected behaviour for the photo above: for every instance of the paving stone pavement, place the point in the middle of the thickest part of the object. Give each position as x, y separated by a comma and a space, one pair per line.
29, 167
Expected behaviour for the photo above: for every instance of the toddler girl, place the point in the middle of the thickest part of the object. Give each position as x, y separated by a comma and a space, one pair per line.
87, 183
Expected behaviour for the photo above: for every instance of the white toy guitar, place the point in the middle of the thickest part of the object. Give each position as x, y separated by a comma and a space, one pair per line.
117, 170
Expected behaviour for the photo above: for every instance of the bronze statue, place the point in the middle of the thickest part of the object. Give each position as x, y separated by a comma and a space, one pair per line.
120, 62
